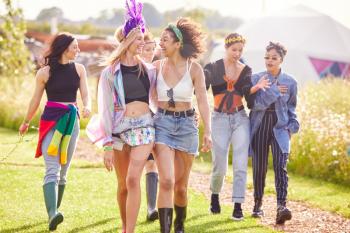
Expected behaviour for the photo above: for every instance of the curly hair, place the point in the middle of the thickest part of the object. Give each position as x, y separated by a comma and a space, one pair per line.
193, 38
280, 49
233, 38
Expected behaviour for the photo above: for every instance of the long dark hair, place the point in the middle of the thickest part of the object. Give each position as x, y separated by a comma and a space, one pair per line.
58, 45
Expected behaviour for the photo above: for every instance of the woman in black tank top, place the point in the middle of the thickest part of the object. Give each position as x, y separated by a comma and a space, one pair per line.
61, 80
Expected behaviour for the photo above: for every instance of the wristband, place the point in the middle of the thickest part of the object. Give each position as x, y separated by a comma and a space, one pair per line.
107, 148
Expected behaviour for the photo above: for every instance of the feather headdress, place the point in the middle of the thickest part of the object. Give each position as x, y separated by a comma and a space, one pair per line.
133, 17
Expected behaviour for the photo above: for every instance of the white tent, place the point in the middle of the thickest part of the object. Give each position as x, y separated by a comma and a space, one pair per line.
315, 43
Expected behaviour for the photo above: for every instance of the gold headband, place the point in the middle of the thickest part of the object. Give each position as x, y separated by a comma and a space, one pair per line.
235, 39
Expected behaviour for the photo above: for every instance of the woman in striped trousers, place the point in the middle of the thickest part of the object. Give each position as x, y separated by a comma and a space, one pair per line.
273, 120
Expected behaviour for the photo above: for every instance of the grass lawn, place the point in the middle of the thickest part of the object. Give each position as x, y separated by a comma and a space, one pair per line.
89, 203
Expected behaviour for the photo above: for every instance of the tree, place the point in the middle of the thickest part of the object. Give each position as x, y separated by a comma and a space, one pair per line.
152, 16
14, 55
48, 13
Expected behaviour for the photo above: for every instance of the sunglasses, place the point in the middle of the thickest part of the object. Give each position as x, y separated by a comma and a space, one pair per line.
171, 101
272, 58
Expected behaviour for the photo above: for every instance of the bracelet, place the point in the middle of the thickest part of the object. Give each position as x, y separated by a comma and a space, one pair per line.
26, 122
107, 148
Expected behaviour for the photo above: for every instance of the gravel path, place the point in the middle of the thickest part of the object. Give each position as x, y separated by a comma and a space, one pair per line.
305, 219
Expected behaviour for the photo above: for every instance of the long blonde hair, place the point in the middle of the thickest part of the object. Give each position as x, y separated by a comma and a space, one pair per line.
120, 51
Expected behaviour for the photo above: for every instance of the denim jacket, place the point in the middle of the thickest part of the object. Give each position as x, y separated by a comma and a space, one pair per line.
285, 104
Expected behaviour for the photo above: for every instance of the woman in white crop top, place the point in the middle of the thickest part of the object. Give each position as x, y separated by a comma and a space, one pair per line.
178, 78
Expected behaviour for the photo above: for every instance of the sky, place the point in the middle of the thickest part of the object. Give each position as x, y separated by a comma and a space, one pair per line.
247, 9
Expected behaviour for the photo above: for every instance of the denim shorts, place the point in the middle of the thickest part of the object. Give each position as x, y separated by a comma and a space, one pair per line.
130, 123
179, 133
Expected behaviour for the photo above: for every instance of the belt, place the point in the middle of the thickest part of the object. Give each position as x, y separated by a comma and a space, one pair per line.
187, 113
235, 110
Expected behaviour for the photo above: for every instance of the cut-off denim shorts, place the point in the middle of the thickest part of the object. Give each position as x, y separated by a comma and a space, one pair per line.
179, 133
133, 131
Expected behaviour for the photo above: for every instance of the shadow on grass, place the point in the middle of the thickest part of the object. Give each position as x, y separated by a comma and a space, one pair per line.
208, 226
102, 222
23, 228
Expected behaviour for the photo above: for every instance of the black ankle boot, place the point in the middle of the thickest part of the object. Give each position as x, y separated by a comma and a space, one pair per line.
257, 211
180, 219
237, 213
283, 214
165, 219
215, 204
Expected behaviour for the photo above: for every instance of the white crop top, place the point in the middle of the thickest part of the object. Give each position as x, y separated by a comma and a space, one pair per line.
183, 90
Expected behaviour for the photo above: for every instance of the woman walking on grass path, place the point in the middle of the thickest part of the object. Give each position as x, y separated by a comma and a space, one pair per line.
61, 78
230, 81
273, 121
125, 124
175, 124
150, 167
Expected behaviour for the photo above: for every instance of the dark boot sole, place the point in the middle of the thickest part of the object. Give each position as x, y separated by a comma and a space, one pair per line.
214, 212
285, 216
258, 215
153, 216
179, 229
237, 218
55, 221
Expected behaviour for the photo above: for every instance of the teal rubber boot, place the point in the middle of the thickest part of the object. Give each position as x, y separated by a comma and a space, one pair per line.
61, 188
50, 196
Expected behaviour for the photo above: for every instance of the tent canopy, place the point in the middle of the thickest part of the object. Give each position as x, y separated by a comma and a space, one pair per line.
313, 40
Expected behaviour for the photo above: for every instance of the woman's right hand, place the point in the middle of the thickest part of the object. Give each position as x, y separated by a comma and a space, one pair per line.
108, 160
263, 83
23, 128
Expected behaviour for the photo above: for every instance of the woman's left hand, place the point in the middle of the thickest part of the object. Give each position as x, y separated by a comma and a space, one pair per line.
207, 142
86, 112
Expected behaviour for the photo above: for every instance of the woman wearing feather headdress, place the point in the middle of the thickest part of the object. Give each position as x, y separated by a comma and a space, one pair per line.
125, 125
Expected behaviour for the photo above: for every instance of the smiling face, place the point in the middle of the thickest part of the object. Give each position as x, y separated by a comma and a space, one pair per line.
72, 51
136, 46
234, 51
273, 61
148, 51
168, 44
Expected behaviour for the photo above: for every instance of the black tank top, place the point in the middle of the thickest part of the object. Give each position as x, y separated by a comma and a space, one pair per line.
63, 84
136, 85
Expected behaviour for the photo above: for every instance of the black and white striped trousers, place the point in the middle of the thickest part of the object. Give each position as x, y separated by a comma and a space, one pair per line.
262, 139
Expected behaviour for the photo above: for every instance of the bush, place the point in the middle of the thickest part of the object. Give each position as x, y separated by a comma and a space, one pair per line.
320, 149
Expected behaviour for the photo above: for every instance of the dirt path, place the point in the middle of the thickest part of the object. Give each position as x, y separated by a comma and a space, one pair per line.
306, 219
